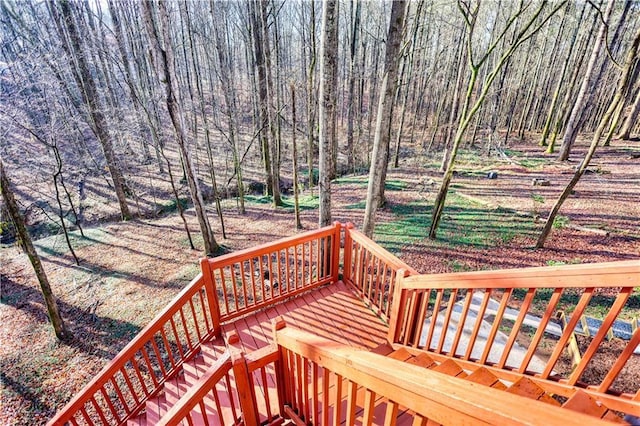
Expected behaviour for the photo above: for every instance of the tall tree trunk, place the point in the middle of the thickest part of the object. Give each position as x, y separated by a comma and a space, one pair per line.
86, 84
609, 116
165, 63
351, 105
572, 127
328, 107
25, 239
629, 122
294, 157
380, 154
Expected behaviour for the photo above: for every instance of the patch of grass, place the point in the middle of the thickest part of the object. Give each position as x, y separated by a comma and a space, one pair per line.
560, 222
306, 202
457, 266
171, 206
537, 198
532, 163
389, 185
462, 224
357, 206
57, 246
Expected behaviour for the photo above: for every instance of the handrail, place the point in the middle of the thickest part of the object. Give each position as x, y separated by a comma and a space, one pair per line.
320, 372
227, 392
505, 318
216, 374
258, 277
137, 373
371, 270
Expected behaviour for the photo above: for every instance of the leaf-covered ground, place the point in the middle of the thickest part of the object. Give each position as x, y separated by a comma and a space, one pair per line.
130, 270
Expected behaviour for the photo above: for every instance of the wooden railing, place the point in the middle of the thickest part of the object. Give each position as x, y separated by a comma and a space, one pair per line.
252, 279
138, 372
508, 319
324, 382
230, 392
371, 270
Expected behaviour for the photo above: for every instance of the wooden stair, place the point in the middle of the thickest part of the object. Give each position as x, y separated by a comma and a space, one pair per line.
580, 401
219, 408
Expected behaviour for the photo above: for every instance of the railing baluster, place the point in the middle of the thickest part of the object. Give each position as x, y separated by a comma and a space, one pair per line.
618, 304
145, 390
195, 319
447, 318
352, 389
168, 349
121, 397
149, 367
524, 309
434, 318
208, 327
132, 390
203, 409
496, 325
325, 397
461, 322
479, 320
622, 359
113, 410
369, 401
542, 325
186, 329
156, 350
422, 314
177, 337
103, 419
568, 331
337, 403
314, 393
305, 388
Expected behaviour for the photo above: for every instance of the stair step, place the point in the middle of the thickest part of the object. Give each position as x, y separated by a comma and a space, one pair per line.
584, 403
527, 388
156, 408
400, 354
140, 420
451, 368
485, 377
383, 349
422, 360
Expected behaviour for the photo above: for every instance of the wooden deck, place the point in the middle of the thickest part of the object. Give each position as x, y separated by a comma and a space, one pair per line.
333, 312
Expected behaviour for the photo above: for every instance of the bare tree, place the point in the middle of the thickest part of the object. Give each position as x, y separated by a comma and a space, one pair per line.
380, 154
25, 240
470, 15
328, 107
609, 118
164, 59
572, 127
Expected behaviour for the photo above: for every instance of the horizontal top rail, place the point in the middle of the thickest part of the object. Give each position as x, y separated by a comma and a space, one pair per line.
236, 256
380, 252
433, 395
610, 274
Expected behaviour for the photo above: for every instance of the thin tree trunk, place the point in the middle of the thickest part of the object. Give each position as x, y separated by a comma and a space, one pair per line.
623, 87
380, 154
572, 127
327, 98
294, 155
59, 327
627, 126
164, 61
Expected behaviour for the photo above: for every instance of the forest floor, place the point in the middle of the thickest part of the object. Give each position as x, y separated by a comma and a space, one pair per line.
129, 270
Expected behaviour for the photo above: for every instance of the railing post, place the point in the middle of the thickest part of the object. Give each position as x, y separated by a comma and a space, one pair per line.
278, 324
348, 251
245, 389
335, 252
212, 296
398, 306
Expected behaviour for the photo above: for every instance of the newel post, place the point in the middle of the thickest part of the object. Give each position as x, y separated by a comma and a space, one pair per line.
278, 323
212, 296
335, 252
348, 252
246, 391
398, 307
